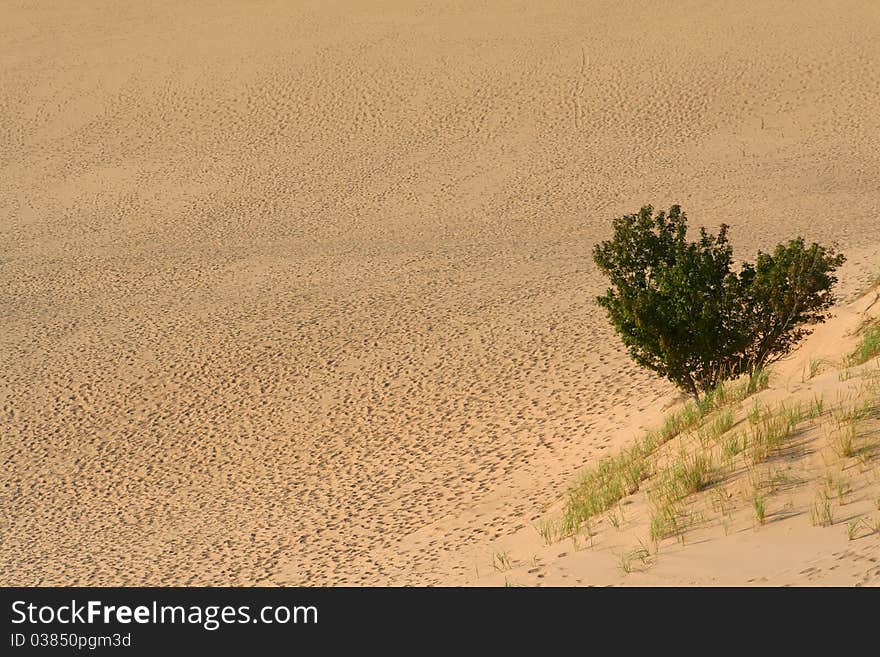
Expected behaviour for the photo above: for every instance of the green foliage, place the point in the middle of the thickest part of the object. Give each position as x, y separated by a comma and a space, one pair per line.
782, 294
669, 296
684, 314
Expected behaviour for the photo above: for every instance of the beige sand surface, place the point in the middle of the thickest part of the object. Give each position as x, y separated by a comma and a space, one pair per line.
722, 542
300, 292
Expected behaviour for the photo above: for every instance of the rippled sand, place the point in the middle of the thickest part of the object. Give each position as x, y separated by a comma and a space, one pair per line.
301, 293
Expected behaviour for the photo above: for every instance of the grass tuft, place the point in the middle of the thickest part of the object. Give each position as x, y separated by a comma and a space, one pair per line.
821, 513
758, 506
770, 433
501, 561
548, 530
597, 490
664, 522
868, 347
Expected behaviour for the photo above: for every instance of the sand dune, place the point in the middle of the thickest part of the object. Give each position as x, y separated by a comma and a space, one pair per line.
300, 293
820, 506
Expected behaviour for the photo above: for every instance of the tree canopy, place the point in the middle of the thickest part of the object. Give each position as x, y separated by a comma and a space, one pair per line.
682, 312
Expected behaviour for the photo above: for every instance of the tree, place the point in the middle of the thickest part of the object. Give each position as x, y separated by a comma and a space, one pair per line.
683, 313
783, 293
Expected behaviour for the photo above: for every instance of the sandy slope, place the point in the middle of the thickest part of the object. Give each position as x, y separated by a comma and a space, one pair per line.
722, 542
301, 292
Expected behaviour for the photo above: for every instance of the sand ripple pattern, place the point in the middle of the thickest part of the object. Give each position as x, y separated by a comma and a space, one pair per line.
301, 294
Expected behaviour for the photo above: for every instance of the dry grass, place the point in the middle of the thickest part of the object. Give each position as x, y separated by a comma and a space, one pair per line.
768, 436
821, 513
868, 347
598, 489
721, 439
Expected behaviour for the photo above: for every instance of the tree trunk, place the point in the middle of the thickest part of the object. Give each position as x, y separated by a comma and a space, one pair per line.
693, 388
